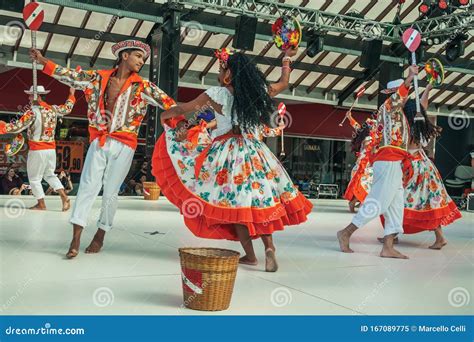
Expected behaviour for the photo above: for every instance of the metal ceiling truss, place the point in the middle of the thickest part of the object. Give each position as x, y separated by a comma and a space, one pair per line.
460, 21
197, 11
329, 22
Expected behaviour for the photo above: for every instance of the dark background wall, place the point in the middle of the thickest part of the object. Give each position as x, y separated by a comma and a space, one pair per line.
455, 144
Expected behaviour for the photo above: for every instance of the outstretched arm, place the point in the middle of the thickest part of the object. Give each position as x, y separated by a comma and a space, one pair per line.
67, 107
426, 95
353, 122
154, 96
78, 79
19, 125
276, 88
200, 102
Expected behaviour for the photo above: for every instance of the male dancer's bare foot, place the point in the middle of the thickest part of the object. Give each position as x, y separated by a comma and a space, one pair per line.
97, 242
41, 205
388, 251
73, 248
352, 205
395, 241
438, 244
343, 236
392, 253
66, 204
37, 206
245, 260
66, 201
271, 264
75, 243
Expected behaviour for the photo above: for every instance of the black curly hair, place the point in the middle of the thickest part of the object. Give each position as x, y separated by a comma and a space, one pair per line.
252, 105
419, 129
359, 137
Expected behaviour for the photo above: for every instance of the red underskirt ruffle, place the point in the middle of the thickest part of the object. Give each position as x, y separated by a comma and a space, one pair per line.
416, 221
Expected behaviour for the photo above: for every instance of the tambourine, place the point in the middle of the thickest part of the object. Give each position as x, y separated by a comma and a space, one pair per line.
15, 146
286, 33
434, 72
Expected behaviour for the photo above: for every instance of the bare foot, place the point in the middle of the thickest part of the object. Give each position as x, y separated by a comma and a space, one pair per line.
392, 253
66, 205
245, 260
438, 244
38, 207
73, 248
395, 240
271, 264
96, 243
343, 238
353, 205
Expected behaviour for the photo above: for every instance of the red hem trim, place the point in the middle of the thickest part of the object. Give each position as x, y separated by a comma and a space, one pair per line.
425, 220
215, 222
416, 221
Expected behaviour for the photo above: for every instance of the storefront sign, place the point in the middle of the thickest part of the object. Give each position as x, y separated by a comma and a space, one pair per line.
309, 147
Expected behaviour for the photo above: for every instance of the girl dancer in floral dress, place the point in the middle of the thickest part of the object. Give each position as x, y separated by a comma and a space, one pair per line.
234, 188
362, 173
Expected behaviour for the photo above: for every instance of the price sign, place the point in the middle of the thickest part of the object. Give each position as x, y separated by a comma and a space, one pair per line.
69, 156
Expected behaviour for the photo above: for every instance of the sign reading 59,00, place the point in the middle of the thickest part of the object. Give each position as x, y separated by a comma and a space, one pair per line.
69, 156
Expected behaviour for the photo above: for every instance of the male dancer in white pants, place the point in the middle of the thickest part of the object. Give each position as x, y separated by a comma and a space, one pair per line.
117, 101
40, 120
386, 195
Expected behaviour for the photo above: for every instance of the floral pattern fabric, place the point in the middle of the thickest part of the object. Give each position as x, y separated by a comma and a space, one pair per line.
427, 203
392, 126
130, 106
425, 189
40, 120
238, 172
362, 173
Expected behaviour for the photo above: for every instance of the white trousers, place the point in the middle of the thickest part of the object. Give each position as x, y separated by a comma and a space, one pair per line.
385, 198
107, 166
41, 164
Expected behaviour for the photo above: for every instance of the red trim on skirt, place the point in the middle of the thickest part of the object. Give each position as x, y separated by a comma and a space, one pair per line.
416, 221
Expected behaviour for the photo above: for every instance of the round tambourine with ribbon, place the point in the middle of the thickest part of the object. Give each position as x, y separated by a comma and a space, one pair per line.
15, 146
434, 72
286, 33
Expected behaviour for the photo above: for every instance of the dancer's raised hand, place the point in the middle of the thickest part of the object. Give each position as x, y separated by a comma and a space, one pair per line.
413, 70
291, 52
36, 55
72, 91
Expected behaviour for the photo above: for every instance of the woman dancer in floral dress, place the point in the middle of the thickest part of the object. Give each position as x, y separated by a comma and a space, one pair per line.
234, 188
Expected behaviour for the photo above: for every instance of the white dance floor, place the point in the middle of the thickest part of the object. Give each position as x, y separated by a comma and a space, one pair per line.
138, 270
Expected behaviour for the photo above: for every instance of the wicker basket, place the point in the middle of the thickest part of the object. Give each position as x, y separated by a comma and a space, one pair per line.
208, 276
151, 191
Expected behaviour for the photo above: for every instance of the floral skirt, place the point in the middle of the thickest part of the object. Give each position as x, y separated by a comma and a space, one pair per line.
427, 203
233, 180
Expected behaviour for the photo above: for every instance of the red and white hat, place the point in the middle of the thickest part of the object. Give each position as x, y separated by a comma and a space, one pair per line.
130, 44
